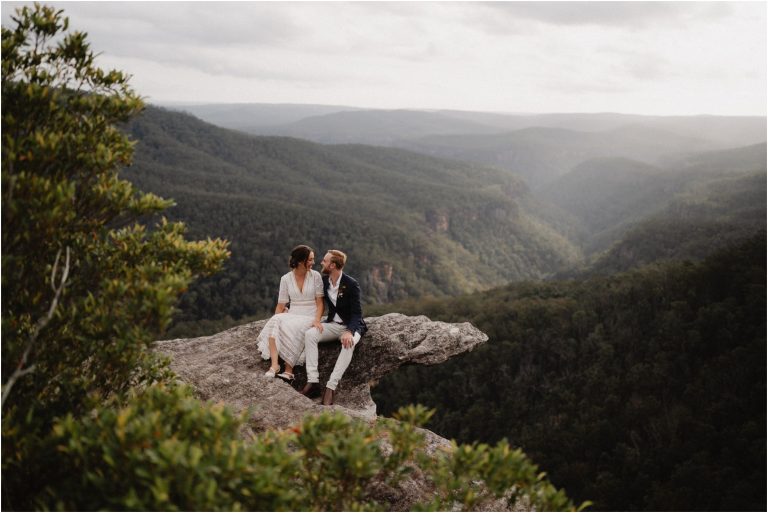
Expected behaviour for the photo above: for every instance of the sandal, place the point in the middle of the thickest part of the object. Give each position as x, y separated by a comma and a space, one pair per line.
271, 372
286, 376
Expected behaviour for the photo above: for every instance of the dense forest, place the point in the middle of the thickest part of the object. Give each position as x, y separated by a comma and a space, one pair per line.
623, 386
411, 224
415, 225
644, 390
637, 378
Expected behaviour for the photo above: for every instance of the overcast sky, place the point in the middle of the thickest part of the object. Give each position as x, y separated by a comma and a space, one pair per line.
630, 57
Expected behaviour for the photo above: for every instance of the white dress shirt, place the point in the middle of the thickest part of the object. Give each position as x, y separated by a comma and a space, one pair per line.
333, 294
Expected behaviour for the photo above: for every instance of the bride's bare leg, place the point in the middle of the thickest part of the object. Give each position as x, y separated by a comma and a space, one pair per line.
288, 368
273, 353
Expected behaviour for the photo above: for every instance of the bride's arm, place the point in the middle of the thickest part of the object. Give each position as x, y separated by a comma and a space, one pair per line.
319, 313
283, 296
319, 302
319, 310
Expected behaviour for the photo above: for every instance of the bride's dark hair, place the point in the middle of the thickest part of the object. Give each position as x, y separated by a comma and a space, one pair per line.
299, 255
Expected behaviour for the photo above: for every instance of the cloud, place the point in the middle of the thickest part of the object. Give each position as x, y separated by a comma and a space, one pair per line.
636, 15
212, 24
510, 56
642, 65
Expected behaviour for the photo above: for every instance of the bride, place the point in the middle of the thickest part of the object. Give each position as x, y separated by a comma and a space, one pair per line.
283, 335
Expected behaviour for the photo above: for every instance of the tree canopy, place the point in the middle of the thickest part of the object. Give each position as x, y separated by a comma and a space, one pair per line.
641, 391
87, 285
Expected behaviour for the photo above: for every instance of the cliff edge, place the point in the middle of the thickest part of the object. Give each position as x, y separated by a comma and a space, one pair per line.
227, 367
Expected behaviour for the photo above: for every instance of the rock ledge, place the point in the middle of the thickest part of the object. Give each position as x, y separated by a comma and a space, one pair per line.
227, 367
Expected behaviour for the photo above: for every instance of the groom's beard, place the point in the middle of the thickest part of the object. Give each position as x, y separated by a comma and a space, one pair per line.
325, 270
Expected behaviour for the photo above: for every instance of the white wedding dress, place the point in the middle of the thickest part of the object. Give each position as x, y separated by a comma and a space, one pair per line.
288, 328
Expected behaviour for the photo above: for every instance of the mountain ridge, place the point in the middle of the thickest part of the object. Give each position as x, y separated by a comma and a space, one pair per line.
413, 224
487, 138
417, 225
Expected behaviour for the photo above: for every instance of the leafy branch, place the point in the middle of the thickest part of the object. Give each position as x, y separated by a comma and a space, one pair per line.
21, 368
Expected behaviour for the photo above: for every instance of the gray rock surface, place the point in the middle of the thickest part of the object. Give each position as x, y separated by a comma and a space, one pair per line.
227, 368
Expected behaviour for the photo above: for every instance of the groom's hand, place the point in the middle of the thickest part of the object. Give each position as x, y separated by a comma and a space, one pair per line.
347, 340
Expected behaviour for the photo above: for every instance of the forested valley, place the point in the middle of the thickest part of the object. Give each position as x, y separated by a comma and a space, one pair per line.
415, 225
643, 390
624, 298
411, 224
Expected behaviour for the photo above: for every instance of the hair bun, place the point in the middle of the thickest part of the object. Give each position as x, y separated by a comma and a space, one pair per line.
299, 255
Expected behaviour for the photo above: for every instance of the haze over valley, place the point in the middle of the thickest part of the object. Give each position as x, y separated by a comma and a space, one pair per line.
539, 148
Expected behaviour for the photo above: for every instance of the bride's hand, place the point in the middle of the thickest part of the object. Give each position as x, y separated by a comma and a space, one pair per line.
318, 325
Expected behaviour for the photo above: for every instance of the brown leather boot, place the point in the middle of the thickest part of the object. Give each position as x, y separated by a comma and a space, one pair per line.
328, 396
311, 390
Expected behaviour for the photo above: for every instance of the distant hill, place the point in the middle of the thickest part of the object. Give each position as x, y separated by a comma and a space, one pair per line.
579, 122
723, 131
702, 219
412, 224
642, 213
376, 127
249, 116
537, 147
734, 159
604, 193
542, 154
593, 180
269, 119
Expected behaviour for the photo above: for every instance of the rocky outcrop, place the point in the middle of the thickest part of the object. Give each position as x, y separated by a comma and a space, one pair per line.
378, 281
438, 221
227, 367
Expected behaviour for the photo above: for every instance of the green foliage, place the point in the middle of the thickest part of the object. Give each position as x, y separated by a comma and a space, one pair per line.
643, 390
161, 450
340, 458
471, 474
86, 286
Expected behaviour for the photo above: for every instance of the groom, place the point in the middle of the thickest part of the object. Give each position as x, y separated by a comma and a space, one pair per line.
344, 322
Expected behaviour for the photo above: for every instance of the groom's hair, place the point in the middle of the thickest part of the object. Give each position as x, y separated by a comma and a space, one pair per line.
338, 258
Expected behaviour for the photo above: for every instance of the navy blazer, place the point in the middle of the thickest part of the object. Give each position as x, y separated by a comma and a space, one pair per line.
348, 304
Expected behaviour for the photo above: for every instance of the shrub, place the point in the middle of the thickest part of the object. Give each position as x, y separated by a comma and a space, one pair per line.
163, 450
86, 286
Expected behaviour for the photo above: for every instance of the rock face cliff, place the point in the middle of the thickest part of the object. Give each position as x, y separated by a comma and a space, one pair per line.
228, 368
